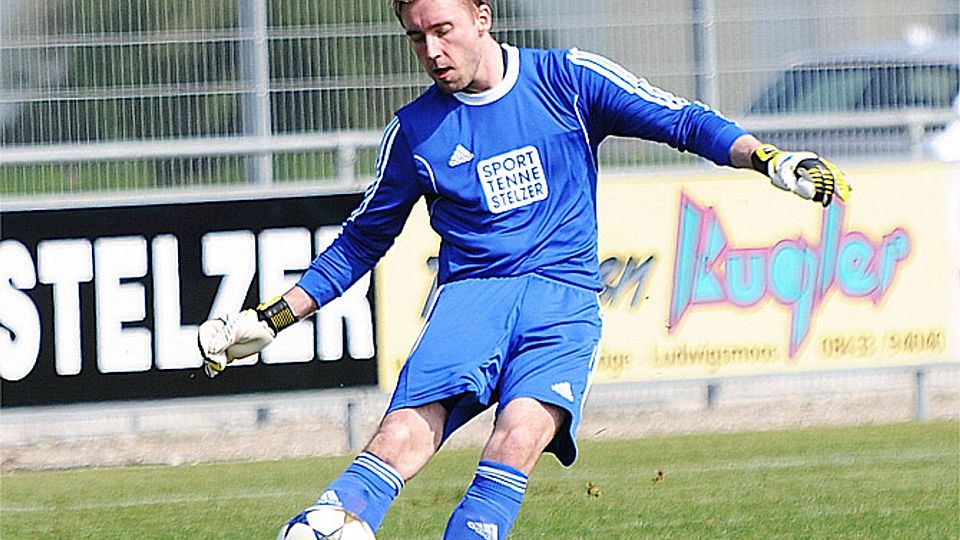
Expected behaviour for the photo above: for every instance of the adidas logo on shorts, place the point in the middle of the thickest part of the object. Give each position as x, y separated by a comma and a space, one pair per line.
564, 389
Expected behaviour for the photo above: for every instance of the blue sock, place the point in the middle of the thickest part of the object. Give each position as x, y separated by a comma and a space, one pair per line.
366, 489
490, 505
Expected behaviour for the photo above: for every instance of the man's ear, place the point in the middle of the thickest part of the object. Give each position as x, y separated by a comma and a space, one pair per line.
484, 19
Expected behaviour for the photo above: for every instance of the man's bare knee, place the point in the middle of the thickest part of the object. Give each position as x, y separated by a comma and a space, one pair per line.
408, 438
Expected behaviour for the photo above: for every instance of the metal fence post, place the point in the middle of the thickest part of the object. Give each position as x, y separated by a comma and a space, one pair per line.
350, 426
705, 51
917, 134
255, 73
263, 416
346, 159
712, 393
921, 398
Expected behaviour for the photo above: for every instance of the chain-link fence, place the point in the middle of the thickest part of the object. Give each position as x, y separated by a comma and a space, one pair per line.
120, 94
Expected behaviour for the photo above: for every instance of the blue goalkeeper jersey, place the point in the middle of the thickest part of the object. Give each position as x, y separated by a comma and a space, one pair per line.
509, 175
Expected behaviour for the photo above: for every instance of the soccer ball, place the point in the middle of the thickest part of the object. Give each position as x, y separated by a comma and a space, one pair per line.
323, 522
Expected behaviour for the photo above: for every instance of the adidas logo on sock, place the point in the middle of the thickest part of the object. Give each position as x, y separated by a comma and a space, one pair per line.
564, 389
487, 531
329, 497
460, 156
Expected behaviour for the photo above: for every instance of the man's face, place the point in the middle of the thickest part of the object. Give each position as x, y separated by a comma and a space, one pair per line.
446, 37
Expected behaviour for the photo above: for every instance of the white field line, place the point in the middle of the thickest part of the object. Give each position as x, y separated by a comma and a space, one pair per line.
825, 460
842, 459
148, 501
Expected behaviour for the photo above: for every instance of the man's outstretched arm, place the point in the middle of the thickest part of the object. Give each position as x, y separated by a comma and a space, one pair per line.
367, 234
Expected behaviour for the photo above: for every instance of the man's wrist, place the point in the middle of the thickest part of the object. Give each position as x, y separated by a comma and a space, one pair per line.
761, 156
741, 151
277, 314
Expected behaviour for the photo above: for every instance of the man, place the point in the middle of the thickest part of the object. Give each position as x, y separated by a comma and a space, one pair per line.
503, 147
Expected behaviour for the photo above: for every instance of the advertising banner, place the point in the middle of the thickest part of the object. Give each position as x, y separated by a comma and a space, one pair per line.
103, 303
721, 274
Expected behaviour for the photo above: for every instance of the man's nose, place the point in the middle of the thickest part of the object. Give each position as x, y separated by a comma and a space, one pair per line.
432, 47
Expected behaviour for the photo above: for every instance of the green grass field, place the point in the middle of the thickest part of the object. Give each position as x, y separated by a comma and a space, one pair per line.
898, 481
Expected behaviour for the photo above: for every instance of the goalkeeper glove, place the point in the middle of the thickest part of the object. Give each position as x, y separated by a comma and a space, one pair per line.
238, 335
804, 173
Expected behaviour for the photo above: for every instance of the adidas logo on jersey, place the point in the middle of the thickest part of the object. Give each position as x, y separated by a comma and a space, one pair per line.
460, 156
487, 531
564, 389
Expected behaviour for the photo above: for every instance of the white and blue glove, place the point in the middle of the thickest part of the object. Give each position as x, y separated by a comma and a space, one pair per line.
803, 173
238, 335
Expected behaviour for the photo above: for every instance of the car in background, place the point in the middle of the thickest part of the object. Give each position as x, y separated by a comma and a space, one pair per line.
882, 100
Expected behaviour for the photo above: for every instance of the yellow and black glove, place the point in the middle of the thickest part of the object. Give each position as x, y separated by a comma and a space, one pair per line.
804, 173
238, 335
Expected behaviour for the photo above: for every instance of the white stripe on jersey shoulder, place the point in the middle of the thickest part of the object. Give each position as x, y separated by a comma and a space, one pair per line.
622, 77
386, 140
386, 144
616, 73
501, 88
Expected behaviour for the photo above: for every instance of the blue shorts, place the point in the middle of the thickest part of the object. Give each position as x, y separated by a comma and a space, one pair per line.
493, 340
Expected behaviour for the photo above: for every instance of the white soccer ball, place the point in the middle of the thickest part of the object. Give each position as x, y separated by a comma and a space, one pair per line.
323, 522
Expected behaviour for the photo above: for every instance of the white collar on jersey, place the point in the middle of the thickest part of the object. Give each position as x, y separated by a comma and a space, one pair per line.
501, 88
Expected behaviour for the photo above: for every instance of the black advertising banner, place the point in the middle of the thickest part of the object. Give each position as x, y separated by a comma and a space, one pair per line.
103, 303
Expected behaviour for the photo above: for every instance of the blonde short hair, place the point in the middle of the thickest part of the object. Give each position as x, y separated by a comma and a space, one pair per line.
398, 4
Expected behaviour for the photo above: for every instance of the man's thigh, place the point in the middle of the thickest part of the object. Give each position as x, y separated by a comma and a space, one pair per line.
554, 355
462, 346
524, 428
